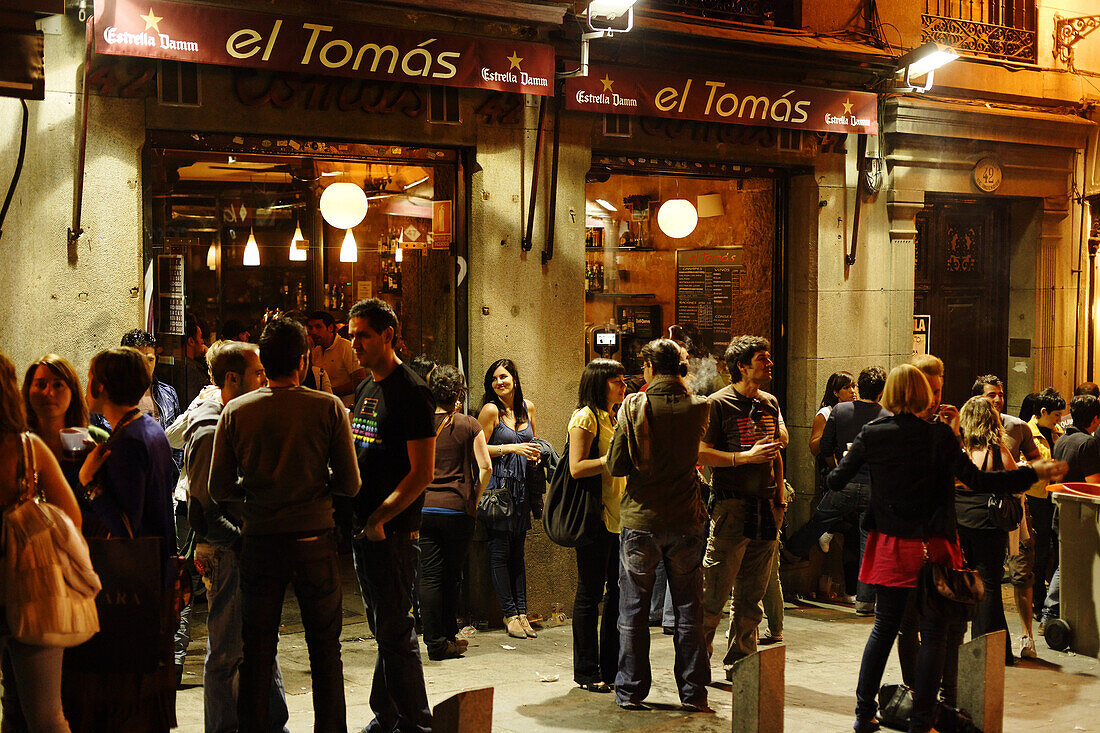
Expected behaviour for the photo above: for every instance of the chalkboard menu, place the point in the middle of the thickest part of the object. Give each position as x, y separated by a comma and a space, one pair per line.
170, 287
706, 282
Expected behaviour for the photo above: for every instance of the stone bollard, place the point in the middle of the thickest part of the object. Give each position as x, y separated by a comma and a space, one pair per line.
467, 712
982, 680
758, 695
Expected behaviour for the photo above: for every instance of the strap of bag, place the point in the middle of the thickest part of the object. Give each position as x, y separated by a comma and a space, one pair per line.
450, 418
27, 469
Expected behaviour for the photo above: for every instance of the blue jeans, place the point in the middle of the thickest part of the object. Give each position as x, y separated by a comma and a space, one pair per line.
660, 606
596, 641
639, 553
398, 697
834, 506
890, 606
508, 569
224, 646
310, 563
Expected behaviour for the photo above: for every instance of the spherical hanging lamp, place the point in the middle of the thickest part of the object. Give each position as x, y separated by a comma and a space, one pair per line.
343, 205
677, 218
349, 250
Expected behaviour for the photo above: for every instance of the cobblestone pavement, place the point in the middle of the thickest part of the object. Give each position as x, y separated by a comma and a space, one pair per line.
1058, 692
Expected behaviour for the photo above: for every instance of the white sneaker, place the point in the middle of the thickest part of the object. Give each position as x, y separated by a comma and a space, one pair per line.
1027, 647
824, 540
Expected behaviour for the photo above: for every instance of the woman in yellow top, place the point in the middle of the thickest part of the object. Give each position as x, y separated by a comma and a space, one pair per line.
596, 650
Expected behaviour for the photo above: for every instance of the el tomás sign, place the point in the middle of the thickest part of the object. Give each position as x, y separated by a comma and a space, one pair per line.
628, 91
227, 37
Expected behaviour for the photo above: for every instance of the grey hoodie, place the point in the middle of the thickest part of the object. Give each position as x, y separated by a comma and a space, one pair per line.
218, 524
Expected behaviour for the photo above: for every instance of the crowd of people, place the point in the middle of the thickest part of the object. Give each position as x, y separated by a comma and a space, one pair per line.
257, 461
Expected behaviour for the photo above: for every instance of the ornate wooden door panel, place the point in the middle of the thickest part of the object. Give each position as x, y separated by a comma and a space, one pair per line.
962, 282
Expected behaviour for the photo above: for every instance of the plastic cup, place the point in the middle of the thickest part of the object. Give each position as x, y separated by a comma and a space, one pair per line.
75, 442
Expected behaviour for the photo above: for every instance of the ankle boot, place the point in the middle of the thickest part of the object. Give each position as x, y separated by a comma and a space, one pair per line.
514, 627
527, 629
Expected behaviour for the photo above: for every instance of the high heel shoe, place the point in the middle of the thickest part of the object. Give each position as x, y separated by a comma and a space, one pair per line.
514, 627
527, 628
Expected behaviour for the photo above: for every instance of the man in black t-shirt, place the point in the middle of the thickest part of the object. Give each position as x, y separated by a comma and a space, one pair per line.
391, 425
845, 422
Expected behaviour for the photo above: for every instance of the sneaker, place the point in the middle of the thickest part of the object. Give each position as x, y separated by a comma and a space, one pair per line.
824, 540
1027, 648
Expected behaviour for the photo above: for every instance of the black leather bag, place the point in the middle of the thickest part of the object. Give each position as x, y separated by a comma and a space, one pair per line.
497, 504
950, 594
571, 515
895, 706
1005, 512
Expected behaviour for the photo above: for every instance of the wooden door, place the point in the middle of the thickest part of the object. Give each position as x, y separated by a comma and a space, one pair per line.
962, 283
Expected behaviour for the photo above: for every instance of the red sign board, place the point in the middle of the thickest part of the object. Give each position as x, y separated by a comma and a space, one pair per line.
625, 91
212, 35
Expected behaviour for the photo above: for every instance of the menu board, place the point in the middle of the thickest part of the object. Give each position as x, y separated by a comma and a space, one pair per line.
706, 282
170, 288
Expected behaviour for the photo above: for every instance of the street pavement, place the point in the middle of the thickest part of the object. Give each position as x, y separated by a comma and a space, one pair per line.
534, 689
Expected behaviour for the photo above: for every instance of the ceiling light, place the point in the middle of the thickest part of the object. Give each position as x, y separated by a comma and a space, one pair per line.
677, 218
297, 254
251, 251
606, 204
349, 250
398, 255
343, 205
212, 257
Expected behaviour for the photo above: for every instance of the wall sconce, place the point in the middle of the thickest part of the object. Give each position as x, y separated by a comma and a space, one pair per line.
605, 19
922, 62
677, 218
710, 204
349, 250
251, 251
343, 205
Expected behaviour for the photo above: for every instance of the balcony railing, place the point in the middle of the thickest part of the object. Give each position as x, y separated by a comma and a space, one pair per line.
1002, 29
758, 12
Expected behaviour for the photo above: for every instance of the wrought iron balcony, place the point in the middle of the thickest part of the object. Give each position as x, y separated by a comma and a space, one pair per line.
1002, 29
758, 12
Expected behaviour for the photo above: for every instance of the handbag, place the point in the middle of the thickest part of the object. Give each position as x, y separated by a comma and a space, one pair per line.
496, 505
571, 515
949, 593
49, 587
895, 706
1005, 512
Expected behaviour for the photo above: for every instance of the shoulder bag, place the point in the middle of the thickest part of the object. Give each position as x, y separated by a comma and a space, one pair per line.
1005, 511
952, 594
49, 586
497, 505
571, 514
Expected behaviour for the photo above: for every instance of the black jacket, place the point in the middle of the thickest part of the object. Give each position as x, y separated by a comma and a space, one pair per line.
913, 466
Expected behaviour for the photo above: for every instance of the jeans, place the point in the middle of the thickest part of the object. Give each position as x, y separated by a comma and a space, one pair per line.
224, 646
909, 651
444, 544
1052, 606
773, 601
397, 695
310, 564
508, 570
854, 498
184, 538
1041, 511
639, 553
890, 607
32, 688
733, 562
596, 642
660, 605
984, 550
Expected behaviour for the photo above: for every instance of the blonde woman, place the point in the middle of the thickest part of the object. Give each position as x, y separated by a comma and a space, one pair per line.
983, 542
912, 463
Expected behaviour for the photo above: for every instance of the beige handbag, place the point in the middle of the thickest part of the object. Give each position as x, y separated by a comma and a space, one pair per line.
49, 586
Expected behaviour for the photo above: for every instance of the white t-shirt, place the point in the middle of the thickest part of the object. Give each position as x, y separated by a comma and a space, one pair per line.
339, 362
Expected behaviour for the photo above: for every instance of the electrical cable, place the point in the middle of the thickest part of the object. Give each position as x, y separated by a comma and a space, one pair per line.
18, 168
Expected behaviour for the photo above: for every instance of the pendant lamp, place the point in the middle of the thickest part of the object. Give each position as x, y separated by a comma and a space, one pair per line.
349, 251
297, 254
251, 251
343, 205
677, 218
212, 257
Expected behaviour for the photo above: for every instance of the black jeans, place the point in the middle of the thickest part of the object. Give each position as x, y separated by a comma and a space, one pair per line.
831, 511
444, 545
984, 550
508, 570
890, 605
397, 695
596, 650
310, 563
1041, 511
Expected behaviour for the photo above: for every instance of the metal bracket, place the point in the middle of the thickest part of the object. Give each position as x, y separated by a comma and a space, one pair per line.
1068, 31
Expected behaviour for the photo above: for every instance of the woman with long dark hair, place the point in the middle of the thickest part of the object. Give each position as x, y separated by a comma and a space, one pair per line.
913, 464
509, 421
449, 511
596, 642
35, 671
54, 401
841, 387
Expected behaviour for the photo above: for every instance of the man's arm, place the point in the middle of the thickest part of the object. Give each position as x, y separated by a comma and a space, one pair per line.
1028, 449
218, 529
422, 468
223, 484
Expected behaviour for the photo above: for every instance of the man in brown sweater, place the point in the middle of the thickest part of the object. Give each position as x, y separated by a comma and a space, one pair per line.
273, 450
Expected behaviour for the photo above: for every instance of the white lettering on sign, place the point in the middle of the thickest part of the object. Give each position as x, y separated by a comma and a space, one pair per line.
114, 37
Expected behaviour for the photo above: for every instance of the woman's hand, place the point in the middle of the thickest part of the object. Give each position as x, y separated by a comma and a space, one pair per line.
95, 460
530, 451
1049, 470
